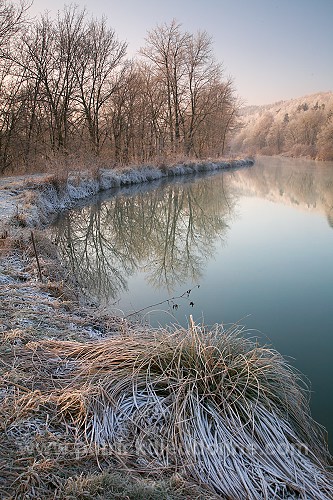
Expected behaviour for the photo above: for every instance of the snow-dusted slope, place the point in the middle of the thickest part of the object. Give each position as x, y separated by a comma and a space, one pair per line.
300, 127
281, 108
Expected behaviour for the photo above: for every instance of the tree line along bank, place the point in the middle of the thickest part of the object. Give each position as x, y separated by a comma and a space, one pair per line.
67, 86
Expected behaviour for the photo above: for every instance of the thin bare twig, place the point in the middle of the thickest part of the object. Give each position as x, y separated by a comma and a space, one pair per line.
170, 299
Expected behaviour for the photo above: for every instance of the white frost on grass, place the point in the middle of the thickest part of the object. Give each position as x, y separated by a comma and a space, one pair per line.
36, 197
9, 203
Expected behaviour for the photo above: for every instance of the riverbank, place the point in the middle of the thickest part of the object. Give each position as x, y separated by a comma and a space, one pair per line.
29, 200
83, 395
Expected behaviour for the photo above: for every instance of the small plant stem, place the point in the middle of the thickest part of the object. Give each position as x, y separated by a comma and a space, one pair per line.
170, 299
36, 255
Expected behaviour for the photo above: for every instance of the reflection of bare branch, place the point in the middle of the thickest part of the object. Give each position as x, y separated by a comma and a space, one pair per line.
170, 232
90, 254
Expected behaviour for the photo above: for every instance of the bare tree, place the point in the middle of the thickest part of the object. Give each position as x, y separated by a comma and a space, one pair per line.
100, 55
184, 67
65, 86
139, 116
123, 113
46, 55
12, 18
166, 47
11, 110
202, 74
220, 119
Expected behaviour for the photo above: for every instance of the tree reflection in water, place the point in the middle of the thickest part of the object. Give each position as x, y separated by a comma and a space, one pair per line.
168, 232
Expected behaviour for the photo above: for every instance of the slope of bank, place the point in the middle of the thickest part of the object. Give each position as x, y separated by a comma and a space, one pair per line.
84, 394
29, 200
40, 455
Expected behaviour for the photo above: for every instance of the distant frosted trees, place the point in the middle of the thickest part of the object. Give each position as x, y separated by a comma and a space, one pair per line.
325, 140
293, 128
66, 87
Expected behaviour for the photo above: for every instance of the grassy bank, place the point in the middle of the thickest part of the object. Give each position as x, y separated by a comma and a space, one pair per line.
29, 200
95, 407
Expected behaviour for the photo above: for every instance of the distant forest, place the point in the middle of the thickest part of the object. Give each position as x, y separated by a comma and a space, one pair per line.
299, 127
68, 89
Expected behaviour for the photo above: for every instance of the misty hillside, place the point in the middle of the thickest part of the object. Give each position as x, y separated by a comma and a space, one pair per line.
298, 127
290, 106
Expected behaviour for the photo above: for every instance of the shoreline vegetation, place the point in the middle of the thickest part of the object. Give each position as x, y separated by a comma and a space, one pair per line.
93, 406
28, 200
68, 86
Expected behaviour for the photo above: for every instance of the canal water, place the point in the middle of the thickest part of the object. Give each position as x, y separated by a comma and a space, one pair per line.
252, 246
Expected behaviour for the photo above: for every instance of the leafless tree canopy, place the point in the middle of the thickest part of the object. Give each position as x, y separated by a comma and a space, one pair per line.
12, 17
67, 87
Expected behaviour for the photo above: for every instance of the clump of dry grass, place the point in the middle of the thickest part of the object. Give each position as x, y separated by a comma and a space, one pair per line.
210, 404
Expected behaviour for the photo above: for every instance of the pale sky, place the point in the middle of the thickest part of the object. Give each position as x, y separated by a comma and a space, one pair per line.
273, 49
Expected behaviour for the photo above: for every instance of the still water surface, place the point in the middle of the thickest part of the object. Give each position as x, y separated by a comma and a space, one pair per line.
253, 246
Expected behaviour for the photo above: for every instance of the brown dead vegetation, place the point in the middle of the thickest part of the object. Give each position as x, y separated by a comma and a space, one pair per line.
41, 455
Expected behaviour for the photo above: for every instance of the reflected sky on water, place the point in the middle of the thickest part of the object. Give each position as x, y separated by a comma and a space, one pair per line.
253, 246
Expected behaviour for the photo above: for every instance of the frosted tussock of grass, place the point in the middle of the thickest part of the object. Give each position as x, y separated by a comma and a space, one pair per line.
211, 404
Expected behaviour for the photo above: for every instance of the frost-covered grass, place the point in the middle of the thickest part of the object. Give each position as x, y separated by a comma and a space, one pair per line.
30, 200
210, 405
40, 457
